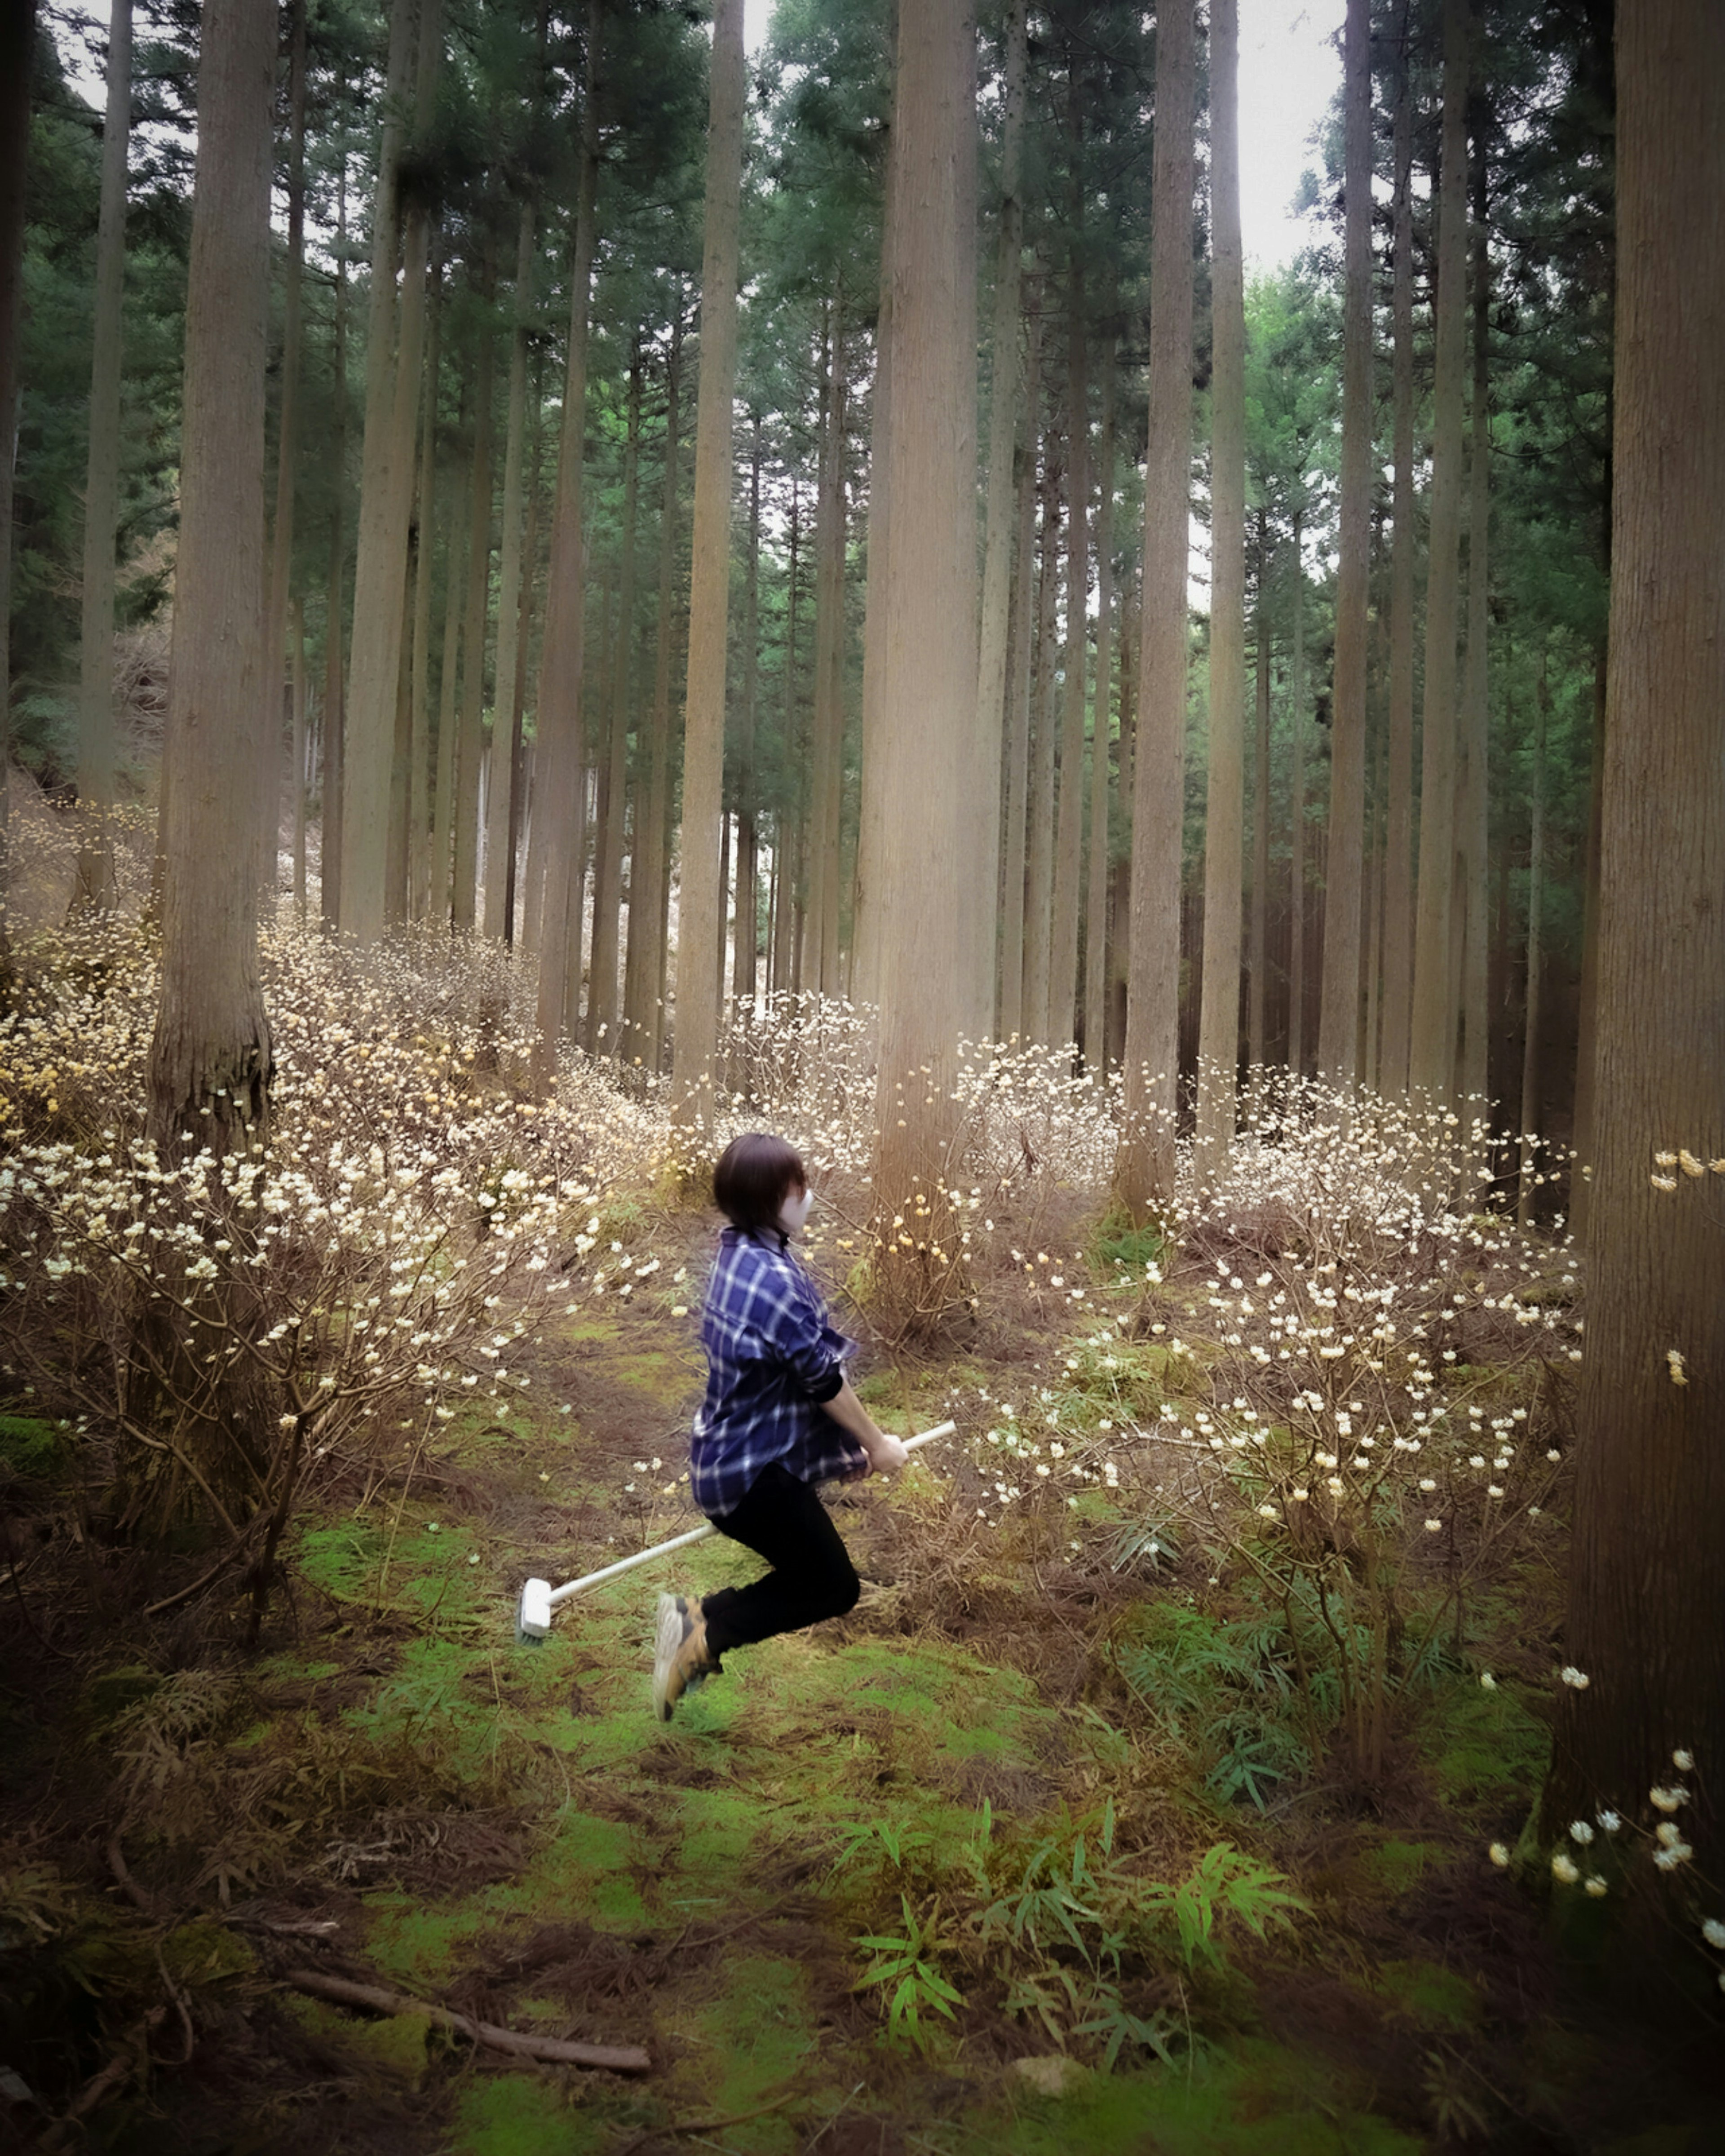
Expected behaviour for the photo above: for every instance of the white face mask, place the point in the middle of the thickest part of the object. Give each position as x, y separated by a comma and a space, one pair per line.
795, 1210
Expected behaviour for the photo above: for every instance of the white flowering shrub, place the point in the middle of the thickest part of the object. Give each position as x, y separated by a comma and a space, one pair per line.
1368, 1431
210, 1329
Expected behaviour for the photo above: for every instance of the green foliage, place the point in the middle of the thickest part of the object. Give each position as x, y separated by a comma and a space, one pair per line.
1225, 1689
1116, 1246
1224, 1884
904, 1966
31, 1447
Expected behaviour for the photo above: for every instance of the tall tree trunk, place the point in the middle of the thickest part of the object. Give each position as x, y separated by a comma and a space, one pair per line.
419, 748
559, 817
1296, 812
828, 724
1013, 1022
785, 840
601, 1035
1068, 827
1339, 1015
518, 763
1530, 1116
1218, 1017
700, 931
1371, 1069
1120, 876
1647, 1589
368, 738
476, 586
334, 670
500, 792
1096, 922
1473, 797
927, 709
209, 1063
395, 859
1399, 839
17, 54
744, 971
101, 485
1581, 1188
871, 839
441, 883
296, 658
1257, 1053
1431, 1044
287, 441
1144, 1166
1004, 520
1039, 897
641, 1013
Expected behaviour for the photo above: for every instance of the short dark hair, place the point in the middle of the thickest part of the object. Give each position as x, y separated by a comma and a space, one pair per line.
755, 1175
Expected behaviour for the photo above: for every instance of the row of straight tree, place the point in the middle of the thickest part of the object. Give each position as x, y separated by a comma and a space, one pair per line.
481, 624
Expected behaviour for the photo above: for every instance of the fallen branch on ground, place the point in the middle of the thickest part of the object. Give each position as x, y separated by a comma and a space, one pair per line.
619, 2058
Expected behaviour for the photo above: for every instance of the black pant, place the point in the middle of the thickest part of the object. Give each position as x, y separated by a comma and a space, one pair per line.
783, 1519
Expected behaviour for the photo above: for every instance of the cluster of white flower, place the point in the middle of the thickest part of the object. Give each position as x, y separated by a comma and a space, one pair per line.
377, 1260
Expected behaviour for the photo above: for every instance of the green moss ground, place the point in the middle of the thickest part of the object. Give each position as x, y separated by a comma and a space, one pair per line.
532, 1845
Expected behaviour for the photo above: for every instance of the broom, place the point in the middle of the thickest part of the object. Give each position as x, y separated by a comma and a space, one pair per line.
539, 1597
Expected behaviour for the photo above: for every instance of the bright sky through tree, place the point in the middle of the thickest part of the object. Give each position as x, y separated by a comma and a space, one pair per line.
1289, 70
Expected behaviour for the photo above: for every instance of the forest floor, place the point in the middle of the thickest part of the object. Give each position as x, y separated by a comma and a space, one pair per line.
393, 1791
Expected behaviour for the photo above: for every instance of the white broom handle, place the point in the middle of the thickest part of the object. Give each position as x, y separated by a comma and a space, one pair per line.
697, 1534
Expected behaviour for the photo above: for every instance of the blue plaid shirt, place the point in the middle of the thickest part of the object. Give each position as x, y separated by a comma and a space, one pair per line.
774, 1358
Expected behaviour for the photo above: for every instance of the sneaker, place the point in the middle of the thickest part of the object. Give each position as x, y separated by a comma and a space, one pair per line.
680, 1659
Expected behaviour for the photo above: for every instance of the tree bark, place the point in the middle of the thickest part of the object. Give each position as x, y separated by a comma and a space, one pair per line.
519, 765
865, 936
441, 886
1004, 521
1038, 894
1144, 1166
369, 732
1013, 1022
559, 818
601, 1035
1646, 1590
783, 974
1296, 810
287, 443
1473, 796
296, 662
419, 748
500, 790
1530, 1037
17, 54
1339, 1015
1581, 1185
1069, 826
335, 671
1258, 1003
102, 486
475, 585
642, 1013
827, 772
1398, 830
744, 971
1219, 1009
209, 1063
1095, 924
1431, 1046
700, 932
927, 708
